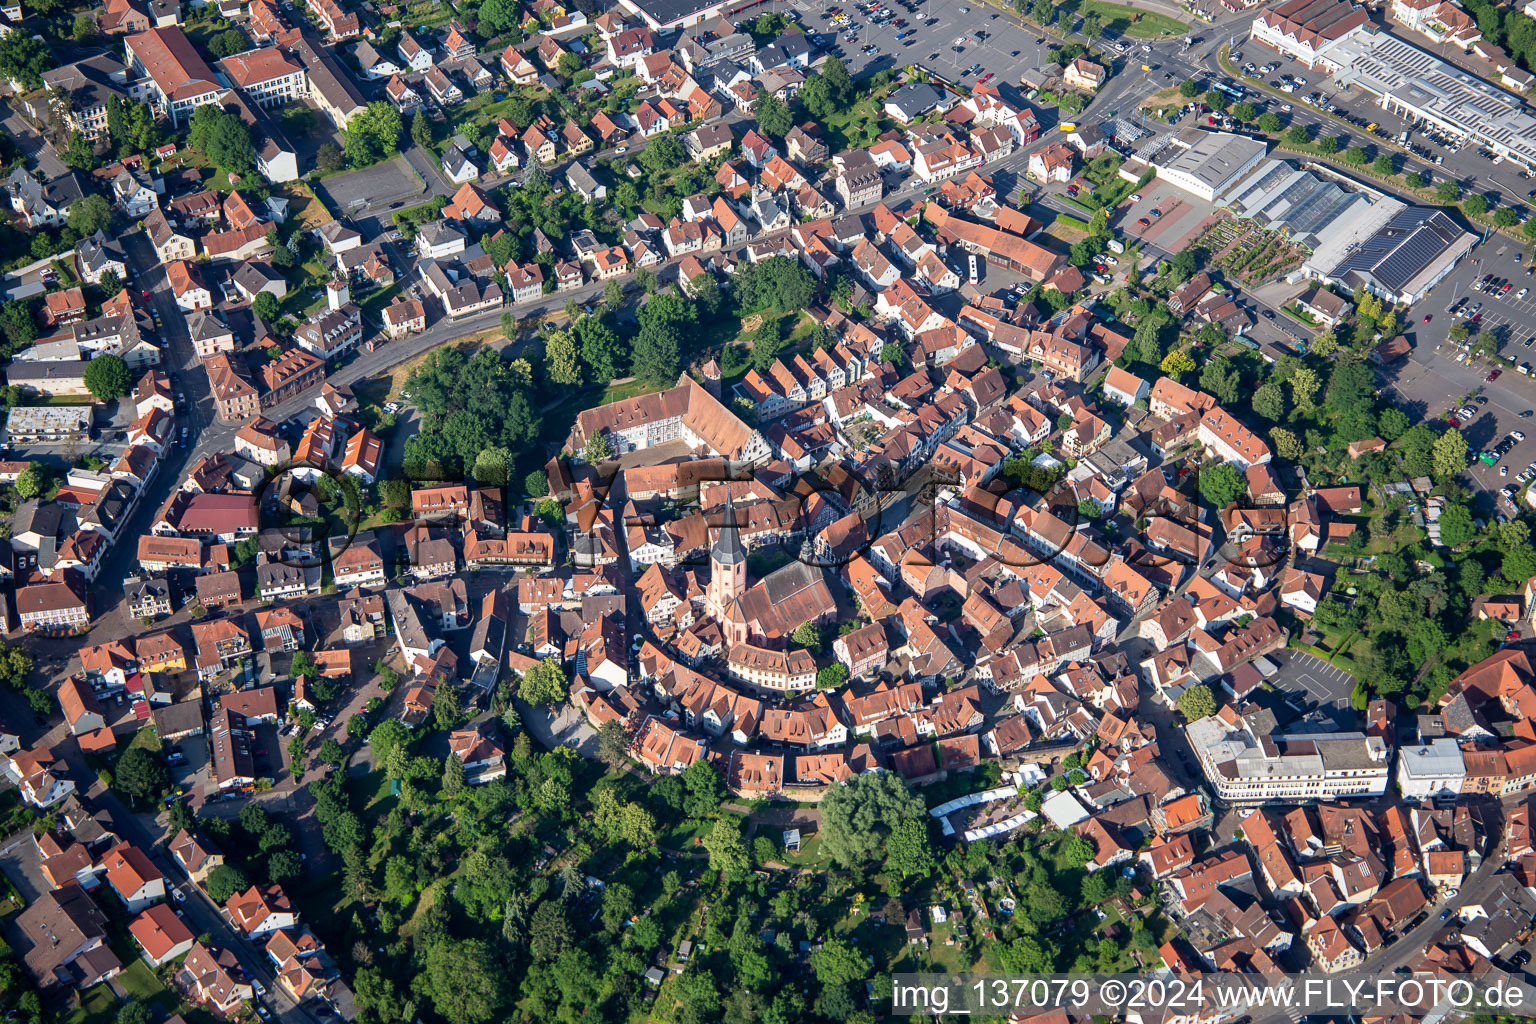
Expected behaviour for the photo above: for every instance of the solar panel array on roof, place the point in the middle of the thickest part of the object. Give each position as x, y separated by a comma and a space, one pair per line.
1407, 79
1398, 252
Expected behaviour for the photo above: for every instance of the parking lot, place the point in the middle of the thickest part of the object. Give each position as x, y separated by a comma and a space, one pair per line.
930, 37
1312, 679
1173, 217
1464, 164
1439, 379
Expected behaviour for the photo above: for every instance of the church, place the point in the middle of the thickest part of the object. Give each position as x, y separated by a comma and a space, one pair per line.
769, 610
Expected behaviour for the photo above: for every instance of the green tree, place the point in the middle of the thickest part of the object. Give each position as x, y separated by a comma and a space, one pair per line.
224, 881
1392, 424
332, 752
1197, 702
1026, 956
598, 448
1447, 192
228, 43
373, 133
1189, 88
726, 847
141, 773
1245, 112
32, 481
1449, 455
463, 978
25, 57
601, 349
1269, 400
777, 282
1287, 446
1177, 363
1222, 484
1385, 165
1456, 525
1328, 145
447, 711
90, 215
223, 138
859, 816
839, 963
1222, 378
656, 354
705, 789
1217, 100
1475, 205
284, 866
808, 634
79, 155
544, 683
618, 906
1413, 179
1269, 123
909, 852
774, 118
421, 130
613, 745
832, 677
1298, 135
1506, 217
265, 306
454, 781
107, 379
663, 154
561, 363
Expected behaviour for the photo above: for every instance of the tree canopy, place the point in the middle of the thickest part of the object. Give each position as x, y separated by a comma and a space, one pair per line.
469, 403
858, 818
107, 378
223, 138
373, 133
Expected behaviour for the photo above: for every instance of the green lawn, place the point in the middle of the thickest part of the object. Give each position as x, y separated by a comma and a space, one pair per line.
1131, 21
97, 1006
628, 389
140, 982
860, 124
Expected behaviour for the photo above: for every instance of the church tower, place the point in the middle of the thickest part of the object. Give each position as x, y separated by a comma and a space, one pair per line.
727, 570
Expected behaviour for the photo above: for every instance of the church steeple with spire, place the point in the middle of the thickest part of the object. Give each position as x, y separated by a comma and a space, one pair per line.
727, 571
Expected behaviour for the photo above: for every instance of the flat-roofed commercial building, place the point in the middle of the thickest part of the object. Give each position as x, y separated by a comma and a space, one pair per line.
665, 15
1421, 87
1393, 250
1430, 771
1207, 164
1247, 760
